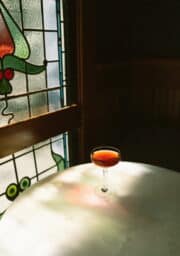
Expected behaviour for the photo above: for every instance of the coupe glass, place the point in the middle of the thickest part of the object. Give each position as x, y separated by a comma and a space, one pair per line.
105, 156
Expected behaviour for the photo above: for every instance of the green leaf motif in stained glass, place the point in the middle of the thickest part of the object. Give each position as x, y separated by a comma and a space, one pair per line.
14, 50
20, 65
22, 49
59, 160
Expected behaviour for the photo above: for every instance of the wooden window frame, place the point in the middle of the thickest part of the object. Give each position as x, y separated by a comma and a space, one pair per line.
78, 115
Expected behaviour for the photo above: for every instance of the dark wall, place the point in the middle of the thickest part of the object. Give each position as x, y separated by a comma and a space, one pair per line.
138, 28
138, 75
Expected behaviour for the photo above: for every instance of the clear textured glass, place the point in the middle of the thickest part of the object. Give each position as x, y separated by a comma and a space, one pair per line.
19, 83
19, 106
58, 147
32, 16
35, 39
26, 166
51, 45
7, 175
50, 20
4, 203
54, 102
47, 173
14, 9
38, 103
44, 158
53, 74
37, 82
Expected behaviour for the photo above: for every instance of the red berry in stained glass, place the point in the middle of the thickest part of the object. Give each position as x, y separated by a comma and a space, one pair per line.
1, 74
9, 73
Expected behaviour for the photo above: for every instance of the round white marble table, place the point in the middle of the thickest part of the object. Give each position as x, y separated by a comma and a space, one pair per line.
66, 214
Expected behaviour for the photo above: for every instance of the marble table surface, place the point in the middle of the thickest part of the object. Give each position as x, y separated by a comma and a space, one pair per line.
66, 214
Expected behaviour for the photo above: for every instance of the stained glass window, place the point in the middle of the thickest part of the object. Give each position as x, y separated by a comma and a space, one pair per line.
32, 82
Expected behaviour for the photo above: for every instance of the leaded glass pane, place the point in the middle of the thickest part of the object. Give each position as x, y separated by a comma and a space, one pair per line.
45, 174
54, 103
53, 74
38, 103
32, 16
44, 158
50, 20
19, 83
37, 82
7, 175
32, 163
4, 203
20, 107
25, 165
14, 9
51, 46
35, 39
36, 63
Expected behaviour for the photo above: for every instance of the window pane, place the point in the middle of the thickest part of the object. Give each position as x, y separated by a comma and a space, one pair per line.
38, 103
37, 82
14, 9
53, 74
7, 175
54, 103
51, 46
34, 163
50, 20
32, 17
19, 83
35, 39
20, 107
25, 165
37, 31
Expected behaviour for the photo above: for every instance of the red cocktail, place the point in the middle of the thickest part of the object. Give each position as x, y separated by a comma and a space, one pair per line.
105, 156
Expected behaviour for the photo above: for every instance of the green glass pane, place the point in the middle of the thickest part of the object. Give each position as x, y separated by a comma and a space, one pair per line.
44, 158
7, 175
32, 16
38, 103
19, 107
54, 100
37, 82
14, 9
25, 166
35, 40
18, 83
50, 20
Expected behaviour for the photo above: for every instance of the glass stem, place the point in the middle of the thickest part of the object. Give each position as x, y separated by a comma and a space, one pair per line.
105, 183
